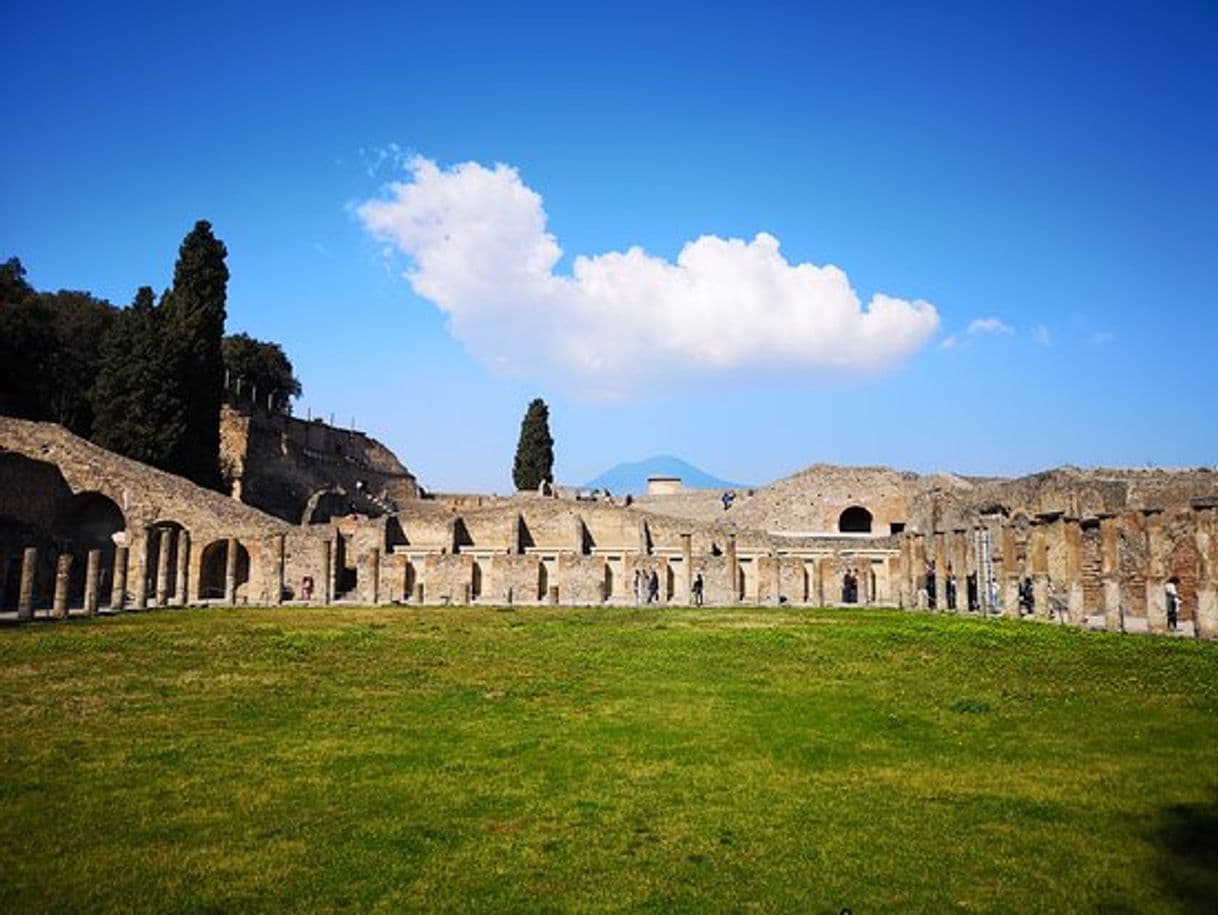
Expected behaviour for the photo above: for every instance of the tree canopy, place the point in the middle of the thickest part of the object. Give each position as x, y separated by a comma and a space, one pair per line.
260, 369
535, 449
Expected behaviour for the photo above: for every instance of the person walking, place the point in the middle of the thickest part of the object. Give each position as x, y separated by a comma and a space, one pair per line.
1172, 593
653, 587
697, 590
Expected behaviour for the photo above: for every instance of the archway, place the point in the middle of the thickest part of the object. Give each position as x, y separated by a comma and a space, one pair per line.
854, 520
213, 570
89, 521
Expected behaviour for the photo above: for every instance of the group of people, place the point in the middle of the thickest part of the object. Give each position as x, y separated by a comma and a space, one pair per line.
647, 587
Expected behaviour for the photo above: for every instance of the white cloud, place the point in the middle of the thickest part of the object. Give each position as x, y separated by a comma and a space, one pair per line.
481, 252
1041, 335
989, 326
950, 342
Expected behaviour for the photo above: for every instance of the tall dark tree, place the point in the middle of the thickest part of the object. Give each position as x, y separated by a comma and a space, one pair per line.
535, 449
137, 402
261, 369
194, 314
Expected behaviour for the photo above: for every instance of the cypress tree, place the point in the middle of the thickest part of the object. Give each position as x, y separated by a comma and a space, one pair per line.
194, 315
137, 405
535, 450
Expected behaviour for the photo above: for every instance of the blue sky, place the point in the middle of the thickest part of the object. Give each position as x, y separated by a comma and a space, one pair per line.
1045, 172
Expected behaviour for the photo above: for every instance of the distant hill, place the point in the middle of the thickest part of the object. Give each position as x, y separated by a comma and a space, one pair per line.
632, 477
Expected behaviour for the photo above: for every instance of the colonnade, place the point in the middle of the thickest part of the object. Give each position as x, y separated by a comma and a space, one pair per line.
1110, 570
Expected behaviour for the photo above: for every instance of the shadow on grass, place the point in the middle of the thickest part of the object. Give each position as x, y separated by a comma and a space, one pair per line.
1186, 836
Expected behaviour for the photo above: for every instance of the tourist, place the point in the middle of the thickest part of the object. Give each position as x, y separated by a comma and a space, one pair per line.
638, 586
930, 584
653, 587
697, 590
1172, 591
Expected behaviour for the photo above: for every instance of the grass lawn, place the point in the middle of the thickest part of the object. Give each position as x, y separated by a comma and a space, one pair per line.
671, 760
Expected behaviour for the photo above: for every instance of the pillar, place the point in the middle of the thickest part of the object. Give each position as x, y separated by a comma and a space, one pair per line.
143, 542
1071, 533
733, 572
182, 591
941, 560
164, 550
1011, 569
960, 567
230, 571
1038, 561
1110, 572
919, 572
374, 576
3, 574
63, 577
687, 561
118, 588
92, 571
326, 584
29, 572
864, 575
1206, 534
1156, 571
644, 538
280, 551
904, 574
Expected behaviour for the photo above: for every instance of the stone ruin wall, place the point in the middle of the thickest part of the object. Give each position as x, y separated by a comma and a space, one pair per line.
1074, 533
280, 464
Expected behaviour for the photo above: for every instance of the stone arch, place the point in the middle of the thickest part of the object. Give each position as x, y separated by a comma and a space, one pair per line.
854, 520
90, 520
213, 570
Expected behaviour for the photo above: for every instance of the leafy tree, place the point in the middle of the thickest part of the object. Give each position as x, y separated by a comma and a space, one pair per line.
138, 407
49, 350
261, 367
535, 449
194, 314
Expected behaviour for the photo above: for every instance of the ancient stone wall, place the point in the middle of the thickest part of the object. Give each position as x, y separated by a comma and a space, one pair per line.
280, 464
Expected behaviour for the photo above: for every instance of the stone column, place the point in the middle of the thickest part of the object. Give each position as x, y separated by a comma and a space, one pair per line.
687, 562
29, 572
1011, 569
960, 567
4, 558
1110, 572
63, 576
118, 588
374, 576
733, 572
1039, 561
1156, 570
182, 573
92, 570
919, 572
142, 543
230, 572
577, 535
164, 551
280, 551
644, 539
864, 576
818, 581
1071, 534
1206, 534
941, 560
904, 573
326, 585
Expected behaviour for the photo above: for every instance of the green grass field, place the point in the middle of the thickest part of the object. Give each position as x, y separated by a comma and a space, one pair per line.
607, 759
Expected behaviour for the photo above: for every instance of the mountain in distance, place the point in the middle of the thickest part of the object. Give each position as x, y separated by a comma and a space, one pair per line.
632, 476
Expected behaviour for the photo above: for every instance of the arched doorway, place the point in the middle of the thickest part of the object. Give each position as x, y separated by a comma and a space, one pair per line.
854, 520
213, 570
89, 521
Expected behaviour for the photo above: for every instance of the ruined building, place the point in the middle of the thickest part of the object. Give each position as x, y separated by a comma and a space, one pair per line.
323, 515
